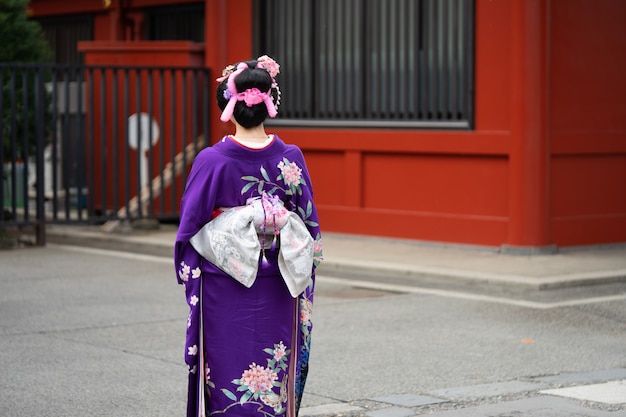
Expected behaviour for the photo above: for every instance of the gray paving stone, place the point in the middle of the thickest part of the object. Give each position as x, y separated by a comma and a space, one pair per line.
487, 390
392, 412
585, 377
530, 407
409, 400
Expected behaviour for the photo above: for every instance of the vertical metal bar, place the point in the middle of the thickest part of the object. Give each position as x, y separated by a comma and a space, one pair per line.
348, 52
336, 90
66, 134
54, 142
115, 139
441, 59
126, 151
431, 40
90, 142
286, 33
173, 137
281, 40
104, 163
315, 63
39, 123
139, 153
161, 101
366, 62
463, 40
376, 58
205, 106
390, 78
401, 70
386, 79
150, 209
80, 183
2, 173
469, 67
296, 33
194, 108
453, 28
13, 185
24, 157
183, 124
412, 51
418, 58
322, 56
307, 60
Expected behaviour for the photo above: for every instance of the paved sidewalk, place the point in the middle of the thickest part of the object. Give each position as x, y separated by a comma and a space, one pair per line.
359, 255
379, 351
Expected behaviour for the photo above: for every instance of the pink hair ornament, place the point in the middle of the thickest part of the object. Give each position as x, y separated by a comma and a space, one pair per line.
251, 96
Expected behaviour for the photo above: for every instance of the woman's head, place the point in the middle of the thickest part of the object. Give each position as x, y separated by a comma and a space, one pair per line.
248, 91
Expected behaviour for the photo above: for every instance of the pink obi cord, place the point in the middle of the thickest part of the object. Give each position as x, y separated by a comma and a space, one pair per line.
251, 96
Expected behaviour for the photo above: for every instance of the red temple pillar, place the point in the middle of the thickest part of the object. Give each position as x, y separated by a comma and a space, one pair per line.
529, 153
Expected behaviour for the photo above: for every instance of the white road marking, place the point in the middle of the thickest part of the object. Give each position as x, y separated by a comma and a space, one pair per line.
115, 253
407, 289
465, 296
613, 392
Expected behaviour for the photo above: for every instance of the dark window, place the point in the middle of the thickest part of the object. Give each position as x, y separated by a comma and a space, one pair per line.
175, 23
371, 62
63, 32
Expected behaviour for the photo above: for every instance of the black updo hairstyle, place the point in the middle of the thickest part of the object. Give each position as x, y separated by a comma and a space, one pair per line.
250, 77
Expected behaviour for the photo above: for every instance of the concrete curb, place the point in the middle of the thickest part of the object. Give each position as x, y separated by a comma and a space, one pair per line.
342, 267
160, 243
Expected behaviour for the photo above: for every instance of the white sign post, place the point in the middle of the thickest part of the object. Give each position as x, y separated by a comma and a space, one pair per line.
141, 138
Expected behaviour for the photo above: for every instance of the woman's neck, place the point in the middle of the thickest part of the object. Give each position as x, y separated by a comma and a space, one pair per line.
255, 134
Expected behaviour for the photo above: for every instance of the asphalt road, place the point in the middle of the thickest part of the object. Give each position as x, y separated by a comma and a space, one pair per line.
101, 333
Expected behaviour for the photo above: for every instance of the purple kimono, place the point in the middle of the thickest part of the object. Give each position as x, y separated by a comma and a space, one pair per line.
247, 349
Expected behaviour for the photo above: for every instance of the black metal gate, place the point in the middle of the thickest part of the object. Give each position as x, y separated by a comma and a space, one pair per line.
97, 144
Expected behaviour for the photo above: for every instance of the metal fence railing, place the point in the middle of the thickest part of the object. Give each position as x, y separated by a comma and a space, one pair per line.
97, 144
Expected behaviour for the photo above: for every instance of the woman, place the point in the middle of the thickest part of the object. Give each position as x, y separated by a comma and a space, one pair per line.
246, 251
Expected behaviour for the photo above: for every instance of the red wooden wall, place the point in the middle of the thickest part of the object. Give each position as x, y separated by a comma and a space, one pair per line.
544, 166
587, 113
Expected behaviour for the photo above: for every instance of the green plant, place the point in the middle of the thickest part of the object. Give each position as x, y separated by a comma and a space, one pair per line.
21, 41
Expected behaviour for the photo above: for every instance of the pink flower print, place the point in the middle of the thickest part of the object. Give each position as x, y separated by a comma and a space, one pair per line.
305, 317
184, 271
258, 378
317, 252
235, 266
279, 351
192, 350
193, 300
294, 243
291, 172
317, 246
306, 308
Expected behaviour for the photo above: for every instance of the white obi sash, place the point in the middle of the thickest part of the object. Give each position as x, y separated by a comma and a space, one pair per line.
232, 242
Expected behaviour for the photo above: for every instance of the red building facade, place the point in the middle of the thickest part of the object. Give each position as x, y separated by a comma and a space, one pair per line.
542, 166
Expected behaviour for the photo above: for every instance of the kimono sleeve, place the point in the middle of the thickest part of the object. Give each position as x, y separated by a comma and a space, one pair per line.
306, 209
196, 207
